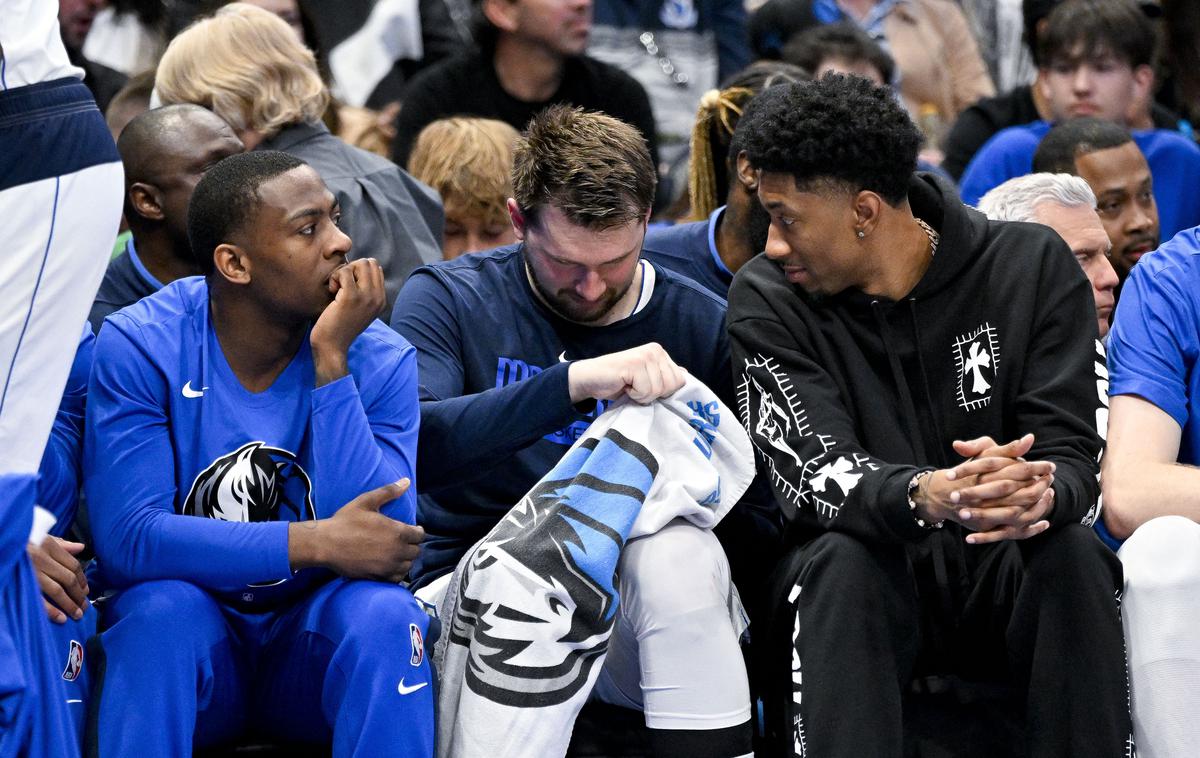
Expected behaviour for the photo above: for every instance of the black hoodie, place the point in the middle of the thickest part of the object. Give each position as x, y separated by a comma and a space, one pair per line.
847, 397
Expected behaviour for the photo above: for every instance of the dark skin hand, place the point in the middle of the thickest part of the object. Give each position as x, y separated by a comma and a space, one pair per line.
358, 541
996, 493
60, 577
358, 297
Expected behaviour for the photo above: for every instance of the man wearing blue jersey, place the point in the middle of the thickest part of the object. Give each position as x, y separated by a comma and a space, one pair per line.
1096, 60
520, 349
249, 442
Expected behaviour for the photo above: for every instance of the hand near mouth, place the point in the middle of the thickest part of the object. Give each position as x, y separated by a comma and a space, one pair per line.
358, 297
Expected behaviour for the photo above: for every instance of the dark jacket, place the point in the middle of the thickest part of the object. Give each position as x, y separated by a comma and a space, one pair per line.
466, 85
389, 215
848, 397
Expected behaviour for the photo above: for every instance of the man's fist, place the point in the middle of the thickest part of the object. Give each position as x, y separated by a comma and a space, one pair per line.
645, 373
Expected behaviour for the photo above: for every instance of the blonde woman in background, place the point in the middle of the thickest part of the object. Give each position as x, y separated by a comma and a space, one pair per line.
249, 67
469, 162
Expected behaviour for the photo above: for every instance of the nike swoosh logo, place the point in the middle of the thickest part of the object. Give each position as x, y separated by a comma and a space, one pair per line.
191, 393
562, 357
409, 690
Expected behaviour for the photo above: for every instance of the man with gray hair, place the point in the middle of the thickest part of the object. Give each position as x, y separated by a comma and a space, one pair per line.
1067, 205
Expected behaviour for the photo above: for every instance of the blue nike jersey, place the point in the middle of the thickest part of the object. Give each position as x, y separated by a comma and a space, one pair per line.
496, 412
190, 476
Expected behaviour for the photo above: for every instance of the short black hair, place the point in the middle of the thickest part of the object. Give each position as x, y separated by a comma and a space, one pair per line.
842, 129
227, 197
843, 40
1069, 140
1118, 27
758, 76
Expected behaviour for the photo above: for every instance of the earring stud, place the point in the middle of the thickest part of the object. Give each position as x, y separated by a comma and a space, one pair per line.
861, 234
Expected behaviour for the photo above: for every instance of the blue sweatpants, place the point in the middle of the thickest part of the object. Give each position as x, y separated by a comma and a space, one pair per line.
346, 665
72, 665
33, 719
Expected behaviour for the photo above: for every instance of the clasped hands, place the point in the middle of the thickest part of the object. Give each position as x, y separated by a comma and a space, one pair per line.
995, 493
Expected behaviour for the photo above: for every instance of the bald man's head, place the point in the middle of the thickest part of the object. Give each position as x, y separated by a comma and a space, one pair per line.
165, 152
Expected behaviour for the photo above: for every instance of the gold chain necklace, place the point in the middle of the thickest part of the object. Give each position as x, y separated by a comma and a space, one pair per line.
934, 237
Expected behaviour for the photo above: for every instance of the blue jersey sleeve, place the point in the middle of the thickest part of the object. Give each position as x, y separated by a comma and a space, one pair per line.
1153, 345
363, 439
1006, 155
129, 479
464, 435
59, 472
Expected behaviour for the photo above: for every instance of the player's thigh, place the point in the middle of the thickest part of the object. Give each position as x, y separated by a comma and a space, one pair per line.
59, 230
349, 635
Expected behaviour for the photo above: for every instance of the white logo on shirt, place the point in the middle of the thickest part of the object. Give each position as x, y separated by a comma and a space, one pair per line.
839, 472
409, 690
976, 359
188, 392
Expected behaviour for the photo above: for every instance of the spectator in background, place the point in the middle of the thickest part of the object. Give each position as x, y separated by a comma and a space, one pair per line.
131, 101
775, 22
129, 35
1152, 491
247, 66
530, 55
1024, 103
165, 153
932, 45
1012, 107
1105, 156
840, 48
677, 50
1066, 204
1096, 61
75, 18
469, 162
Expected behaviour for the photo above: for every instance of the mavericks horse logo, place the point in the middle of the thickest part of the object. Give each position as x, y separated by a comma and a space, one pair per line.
537, 598
253, 483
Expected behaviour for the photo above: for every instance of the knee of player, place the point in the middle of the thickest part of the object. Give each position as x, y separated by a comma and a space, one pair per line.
676, 570
378, 611
1163, 555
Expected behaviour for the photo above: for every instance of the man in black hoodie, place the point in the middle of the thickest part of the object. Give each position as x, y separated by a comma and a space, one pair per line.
882, 344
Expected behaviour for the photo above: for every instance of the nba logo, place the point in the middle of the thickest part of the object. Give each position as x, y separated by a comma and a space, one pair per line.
74, 662
418, 645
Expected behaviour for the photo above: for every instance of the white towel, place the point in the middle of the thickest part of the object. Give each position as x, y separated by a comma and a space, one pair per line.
528, 614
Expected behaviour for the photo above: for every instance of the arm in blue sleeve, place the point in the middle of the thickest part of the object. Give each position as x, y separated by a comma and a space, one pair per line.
464, 435
129, 479
58, 482
363, 439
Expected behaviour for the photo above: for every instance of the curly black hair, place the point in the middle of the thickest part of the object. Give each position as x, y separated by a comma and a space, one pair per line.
1057, 151
841, 129
226, 199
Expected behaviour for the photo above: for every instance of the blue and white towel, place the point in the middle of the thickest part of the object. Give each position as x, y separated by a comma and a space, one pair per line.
529, 611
